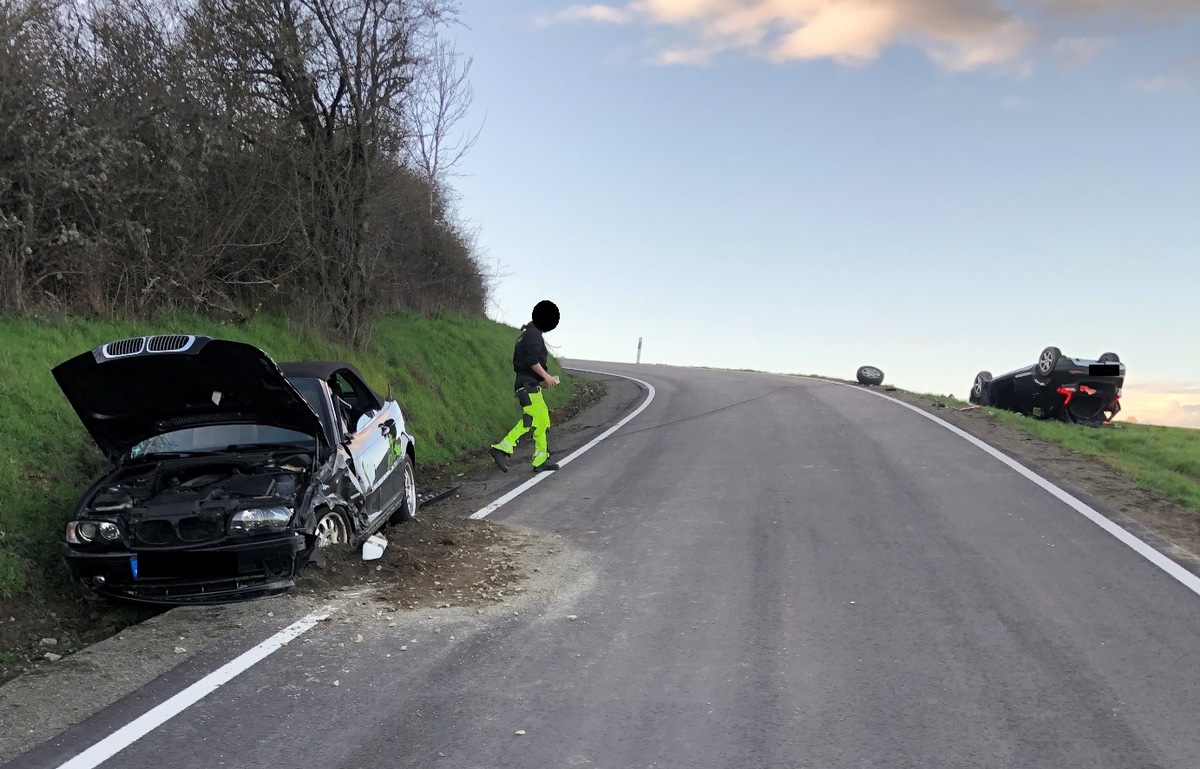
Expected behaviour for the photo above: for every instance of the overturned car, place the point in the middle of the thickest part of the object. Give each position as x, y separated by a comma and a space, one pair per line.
228, 472
1056, 387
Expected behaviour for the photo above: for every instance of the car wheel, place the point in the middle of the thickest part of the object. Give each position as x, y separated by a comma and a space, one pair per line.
1046, 364
1109, 357
408, 504
982, 378
332, 529
869, 375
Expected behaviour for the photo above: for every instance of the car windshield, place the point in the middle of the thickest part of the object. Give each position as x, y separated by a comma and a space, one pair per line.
210, 438
310, 390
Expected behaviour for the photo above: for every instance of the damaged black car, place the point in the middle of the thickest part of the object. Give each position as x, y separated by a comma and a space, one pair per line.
1077, 390
228, 472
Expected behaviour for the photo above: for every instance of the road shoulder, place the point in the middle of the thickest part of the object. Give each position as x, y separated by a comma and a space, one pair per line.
1166, 525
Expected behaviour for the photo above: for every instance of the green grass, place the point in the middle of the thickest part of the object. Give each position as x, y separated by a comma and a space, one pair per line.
1164, 459
452, 376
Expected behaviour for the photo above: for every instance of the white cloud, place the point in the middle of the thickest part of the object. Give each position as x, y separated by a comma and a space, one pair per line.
1156, 84
959, 35
1169, 409
1164, 387
1145, 7
604, 13
850, 33
1161, 402
1077, 51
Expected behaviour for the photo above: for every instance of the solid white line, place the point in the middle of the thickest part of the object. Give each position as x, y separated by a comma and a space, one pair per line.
487, 510
1189, 580
157, 716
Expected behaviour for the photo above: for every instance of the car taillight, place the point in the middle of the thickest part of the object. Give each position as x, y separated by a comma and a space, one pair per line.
1067, 395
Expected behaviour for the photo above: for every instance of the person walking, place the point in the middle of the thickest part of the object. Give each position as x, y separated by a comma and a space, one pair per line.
529, 364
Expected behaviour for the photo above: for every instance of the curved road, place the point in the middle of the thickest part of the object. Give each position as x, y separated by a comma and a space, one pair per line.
816, 577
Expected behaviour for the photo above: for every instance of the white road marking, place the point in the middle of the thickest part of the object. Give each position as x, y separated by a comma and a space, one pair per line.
1188, 579
160, 714
487, 510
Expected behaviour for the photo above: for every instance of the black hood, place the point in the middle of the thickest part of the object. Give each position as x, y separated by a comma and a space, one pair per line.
128, 391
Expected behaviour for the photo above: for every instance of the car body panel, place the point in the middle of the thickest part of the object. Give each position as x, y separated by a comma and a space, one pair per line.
128, 391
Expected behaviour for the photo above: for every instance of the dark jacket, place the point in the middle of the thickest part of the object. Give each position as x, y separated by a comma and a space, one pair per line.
530, 349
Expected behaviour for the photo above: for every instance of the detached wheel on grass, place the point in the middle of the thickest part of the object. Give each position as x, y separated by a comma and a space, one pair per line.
981, 380
869, 375
1046, 364
408, 503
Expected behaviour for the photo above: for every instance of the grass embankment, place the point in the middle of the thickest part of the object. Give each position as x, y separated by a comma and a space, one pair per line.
1164, 459
452, 376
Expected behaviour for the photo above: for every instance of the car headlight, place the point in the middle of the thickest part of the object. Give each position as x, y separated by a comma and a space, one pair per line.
88, 532
260, 520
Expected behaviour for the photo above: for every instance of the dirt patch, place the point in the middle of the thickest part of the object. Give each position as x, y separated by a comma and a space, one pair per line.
430, 562
34, 633
1171, 527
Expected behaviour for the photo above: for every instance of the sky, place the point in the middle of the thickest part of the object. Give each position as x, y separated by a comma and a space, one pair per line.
931, 187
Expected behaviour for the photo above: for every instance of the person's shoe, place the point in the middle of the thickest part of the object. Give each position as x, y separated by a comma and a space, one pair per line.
500, 458
546, 467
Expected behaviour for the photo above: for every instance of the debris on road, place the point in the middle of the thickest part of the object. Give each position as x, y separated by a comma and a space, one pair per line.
373, 548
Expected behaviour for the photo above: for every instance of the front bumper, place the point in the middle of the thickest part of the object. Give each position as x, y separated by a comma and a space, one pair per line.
226, 572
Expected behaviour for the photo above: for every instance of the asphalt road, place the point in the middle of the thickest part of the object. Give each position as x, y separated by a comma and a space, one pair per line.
814, 577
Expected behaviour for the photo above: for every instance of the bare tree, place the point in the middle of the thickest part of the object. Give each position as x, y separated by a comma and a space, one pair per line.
440, 103
221, 155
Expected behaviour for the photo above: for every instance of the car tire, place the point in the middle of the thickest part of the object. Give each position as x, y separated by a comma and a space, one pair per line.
869, 375
331, 529
408, 502
1043, 370
1109, 357
981, 379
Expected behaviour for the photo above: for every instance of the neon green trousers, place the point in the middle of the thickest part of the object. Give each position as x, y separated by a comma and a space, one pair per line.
535, 416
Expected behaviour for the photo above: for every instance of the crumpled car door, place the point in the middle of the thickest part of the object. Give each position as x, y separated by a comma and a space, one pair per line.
376, 451
369, 448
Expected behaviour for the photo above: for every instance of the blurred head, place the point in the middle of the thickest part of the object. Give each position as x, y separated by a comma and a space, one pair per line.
545, 315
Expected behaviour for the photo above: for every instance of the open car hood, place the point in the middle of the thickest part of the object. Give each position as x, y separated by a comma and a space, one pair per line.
128, 391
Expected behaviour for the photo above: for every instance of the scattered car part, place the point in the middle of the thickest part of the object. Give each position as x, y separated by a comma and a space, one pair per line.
869, 375
373, 547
